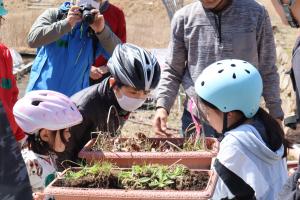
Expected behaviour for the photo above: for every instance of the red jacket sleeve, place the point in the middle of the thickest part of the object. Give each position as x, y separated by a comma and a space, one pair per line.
8, 90
121, 31
115, 19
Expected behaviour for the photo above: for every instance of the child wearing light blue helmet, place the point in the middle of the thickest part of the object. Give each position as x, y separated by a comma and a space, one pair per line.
251, 162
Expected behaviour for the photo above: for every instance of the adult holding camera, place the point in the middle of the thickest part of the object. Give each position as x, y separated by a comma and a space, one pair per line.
68, 40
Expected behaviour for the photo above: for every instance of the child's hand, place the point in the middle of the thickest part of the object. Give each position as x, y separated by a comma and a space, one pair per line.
37, 196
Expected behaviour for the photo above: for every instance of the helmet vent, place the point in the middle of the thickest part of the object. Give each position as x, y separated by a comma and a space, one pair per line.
148, 74
219, 63
234, 76
247, 71
220, 71
36, 103
146, 58
202, 83
233, 65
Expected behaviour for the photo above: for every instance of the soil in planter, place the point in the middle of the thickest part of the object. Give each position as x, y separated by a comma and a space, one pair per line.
147, 177
140, 143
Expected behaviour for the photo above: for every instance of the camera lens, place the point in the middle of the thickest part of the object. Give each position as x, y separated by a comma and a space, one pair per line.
88, 17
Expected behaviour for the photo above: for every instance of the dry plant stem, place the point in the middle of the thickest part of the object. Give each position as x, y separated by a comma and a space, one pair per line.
197, 138
204, 142
98, 137
70, 161
173, 145
169, 167
189, 128
162, 144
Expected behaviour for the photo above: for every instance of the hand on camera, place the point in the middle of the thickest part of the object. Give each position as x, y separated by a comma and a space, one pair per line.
74, 16
99, 22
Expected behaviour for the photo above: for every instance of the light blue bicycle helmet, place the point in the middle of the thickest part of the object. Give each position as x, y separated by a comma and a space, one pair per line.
231, 85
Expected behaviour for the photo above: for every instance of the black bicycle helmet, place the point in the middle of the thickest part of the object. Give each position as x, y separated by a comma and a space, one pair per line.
134, 66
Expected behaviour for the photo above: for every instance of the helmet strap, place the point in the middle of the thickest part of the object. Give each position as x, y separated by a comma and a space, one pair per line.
225, 117
286, 7
236, 124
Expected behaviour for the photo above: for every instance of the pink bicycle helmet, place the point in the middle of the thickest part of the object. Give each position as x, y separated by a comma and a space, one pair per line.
45, 109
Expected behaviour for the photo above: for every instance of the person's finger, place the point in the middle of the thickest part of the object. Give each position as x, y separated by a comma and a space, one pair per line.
158, 128
74, 8
156, 125
95, 11
160, 134
163, 124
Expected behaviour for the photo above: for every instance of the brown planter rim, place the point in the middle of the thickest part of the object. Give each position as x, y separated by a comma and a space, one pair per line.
86, 152
64, 193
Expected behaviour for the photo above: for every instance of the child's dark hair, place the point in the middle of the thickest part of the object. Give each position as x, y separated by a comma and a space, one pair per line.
274, 132
37, 145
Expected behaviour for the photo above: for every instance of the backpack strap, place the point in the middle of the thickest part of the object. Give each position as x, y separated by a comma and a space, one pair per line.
237, 186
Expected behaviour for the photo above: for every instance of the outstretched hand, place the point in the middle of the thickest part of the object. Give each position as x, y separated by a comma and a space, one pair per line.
160, 122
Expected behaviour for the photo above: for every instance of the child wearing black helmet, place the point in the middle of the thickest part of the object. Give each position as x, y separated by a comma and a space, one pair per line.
135, 72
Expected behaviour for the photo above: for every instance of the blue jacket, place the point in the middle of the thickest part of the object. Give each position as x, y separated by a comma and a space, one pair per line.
64, 65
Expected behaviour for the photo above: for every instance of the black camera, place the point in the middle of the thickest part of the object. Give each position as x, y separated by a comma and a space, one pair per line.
87, 15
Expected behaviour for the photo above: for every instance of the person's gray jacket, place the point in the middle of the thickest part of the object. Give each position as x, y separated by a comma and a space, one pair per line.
200, 37
49, 28
14, 181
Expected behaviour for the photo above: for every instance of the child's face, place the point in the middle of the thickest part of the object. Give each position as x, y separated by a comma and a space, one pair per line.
131, 92
58, 144
214, 117
54, 139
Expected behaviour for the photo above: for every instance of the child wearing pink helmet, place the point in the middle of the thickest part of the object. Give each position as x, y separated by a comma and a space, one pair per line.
45, 116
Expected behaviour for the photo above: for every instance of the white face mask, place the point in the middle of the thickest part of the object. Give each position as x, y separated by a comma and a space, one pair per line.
130, 104
93, 3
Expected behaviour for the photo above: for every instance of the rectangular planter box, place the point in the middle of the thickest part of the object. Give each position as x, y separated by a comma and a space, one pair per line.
191, 159
69, 193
